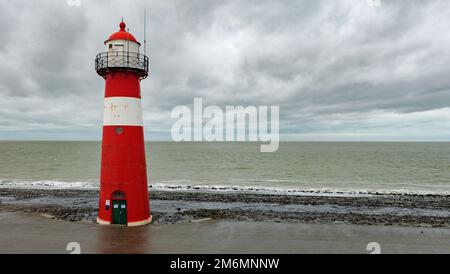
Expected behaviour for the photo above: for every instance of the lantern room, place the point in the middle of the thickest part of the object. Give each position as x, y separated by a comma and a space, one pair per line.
122, 41
122, 53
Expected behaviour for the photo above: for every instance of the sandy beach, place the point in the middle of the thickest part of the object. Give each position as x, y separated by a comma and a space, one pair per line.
34, 233
45, 221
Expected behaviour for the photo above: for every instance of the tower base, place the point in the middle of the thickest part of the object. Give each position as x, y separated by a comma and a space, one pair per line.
140, 223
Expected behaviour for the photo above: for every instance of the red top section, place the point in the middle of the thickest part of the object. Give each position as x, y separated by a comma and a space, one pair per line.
122, 34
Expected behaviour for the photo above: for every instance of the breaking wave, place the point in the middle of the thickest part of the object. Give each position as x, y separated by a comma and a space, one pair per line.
186, 185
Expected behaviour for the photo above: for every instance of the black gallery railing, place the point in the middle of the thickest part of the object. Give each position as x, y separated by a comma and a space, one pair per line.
106, 61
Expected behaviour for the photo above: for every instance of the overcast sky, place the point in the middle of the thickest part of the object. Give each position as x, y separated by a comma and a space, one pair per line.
339, 70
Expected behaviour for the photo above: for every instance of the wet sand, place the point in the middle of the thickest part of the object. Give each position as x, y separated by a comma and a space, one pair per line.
34, 233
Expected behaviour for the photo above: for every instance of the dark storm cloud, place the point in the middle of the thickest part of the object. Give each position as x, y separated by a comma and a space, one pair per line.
338, 69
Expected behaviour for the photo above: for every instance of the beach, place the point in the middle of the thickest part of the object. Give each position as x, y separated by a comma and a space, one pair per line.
44, 221
33, 233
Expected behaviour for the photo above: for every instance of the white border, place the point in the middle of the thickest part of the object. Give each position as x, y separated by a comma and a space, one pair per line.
145, 222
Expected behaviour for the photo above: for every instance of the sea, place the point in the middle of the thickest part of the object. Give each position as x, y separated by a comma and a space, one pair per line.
307, 168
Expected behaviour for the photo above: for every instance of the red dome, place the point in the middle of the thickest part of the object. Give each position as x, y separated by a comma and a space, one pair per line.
122, 34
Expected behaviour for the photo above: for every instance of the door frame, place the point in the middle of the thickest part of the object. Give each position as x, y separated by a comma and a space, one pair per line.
121, 198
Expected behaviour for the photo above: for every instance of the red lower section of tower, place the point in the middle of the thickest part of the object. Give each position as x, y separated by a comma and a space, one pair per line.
123, 182
124, 171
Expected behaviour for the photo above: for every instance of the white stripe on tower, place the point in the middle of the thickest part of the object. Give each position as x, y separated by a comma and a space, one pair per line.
122, 111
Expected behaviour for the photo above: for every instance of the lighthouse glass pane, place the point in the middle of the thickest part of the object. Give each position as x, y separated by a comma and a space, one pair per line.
118, 47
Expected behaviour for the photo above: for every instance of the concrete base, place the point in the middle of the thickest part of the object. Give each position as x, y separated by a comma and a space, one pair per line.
140, 223
145, 222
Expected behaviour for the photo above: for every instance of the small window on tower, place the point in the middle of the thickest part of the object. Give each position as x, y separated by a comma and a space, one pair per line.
110, 46
119, 130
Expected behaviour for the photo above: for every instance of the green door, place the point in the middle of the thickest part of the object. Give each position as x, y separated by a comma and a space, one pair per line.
119, 212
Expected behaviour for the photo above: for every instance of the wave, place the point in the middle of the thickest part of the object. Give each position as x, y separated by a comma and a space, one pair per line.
187, 185
292, 191
44, 184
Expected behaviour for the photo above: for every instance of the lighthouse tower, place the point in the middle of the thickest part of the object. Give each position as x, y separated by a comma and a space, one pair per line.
123, 181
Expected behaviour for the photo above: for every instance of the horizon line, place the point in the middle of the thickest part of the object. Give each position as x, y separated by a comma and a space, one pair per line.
251, 142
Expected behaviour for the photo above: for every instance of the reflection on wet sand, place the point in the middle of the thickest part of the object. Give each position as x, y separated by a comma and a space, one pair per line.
122, 239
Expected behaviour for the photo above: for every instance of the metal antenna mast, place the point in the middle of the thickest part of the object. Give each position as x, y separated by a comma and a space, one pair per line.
145, 31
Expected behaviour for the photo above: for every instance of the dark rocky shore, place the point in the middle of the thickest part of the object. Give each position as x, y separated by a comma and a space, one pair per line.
173, 207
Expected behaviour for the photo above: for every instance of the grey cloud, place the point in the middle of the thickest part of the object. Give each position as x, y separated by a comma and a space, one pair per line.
331, 66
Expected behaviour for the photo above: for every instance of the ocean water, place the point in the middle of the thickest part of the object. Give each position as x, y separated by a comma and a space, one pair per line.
307, 168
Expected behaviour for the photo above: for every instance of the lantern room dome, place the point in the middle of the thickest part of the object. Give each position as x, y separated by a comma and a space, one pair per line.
122, 34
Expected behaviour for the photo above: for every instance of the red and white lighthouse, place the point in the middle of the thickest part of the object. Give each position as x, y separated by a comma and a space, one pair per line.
123, 181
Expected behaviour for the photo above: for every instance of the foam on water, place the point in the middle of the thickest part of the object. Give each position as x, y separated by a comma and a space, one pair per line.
48, 185
186, 185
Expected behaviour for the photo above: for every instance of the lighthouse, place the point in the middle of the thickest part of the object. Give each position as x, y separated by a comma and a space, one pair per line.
123, 180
